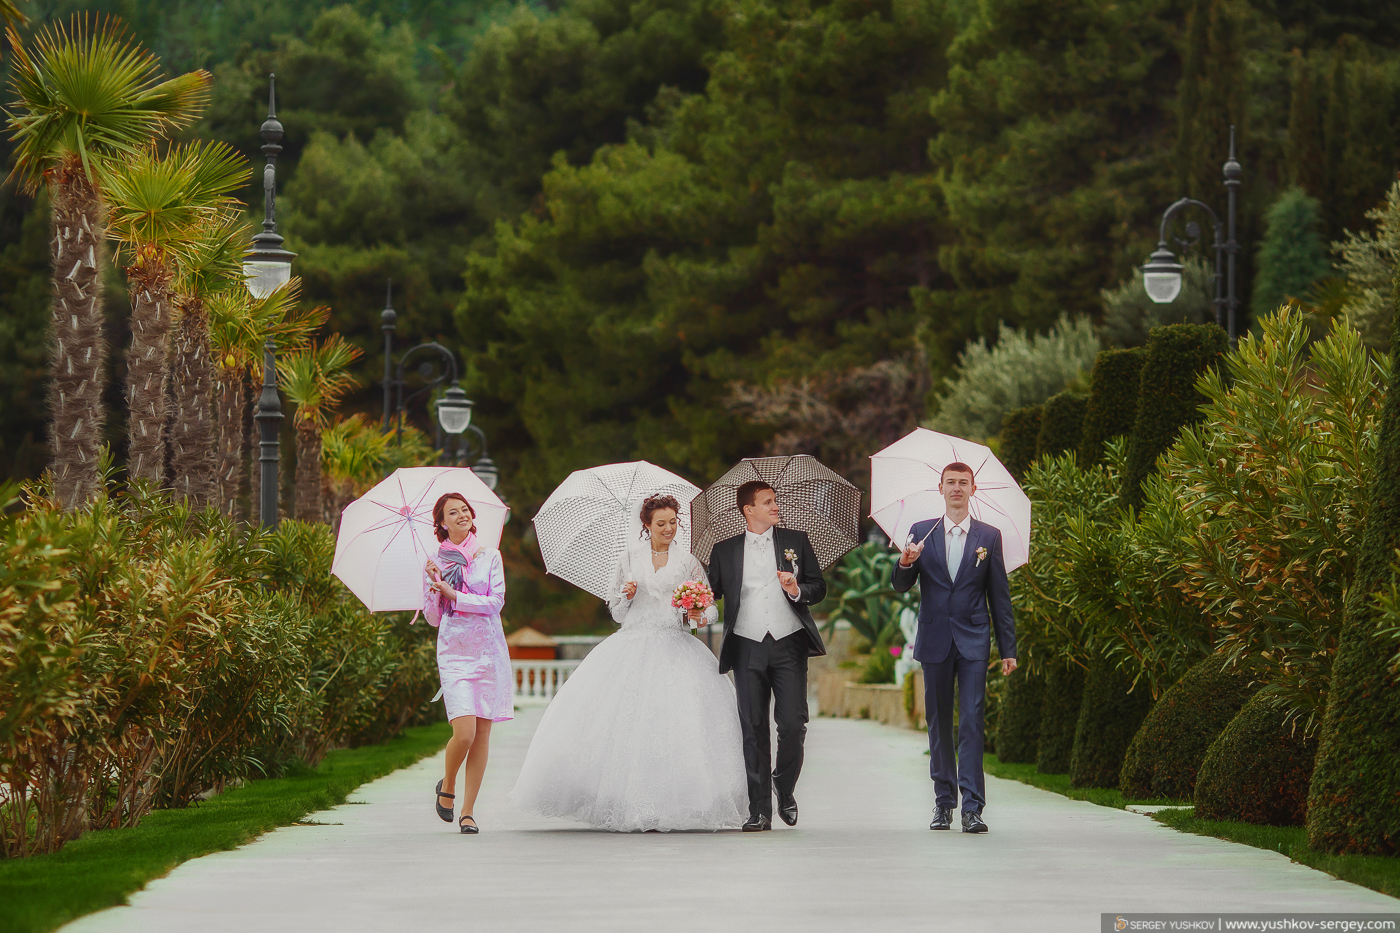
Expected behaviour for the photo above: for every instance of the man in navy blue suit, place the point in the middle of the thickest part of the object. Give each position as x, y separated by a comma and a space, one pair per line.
963, 597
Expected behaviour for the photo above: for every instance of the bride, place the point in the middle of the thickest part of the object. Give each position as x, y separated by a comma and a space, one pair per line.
645, 733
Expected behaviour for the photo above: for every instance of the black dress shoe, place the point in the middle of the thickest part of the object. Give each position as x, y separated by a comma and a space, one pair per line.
972, 822
942, 818
757, 824
787, 809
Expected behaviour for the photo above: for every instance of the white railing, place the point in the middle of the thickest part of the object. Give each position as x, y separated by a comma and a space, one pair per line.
538, 681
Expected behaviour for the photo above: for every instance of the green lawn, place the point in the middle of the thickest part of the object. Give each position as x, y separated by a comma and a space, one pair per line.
102, 868
1376, 872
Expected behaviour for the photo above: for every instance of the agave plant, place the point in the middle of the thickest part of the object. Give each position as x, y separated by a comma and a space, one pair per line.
239, 325
84, 96
315, 379
155, 206
209, 264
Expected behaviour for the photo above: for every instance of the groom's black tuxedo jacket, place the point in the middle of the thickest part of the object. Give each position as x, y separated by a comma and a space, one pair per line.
727, 579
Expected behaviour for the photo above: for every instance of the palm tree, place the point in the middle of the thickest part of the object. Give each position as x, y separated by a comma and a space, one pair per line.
83, 96
210, 263
315, 379
239, 325
155, 206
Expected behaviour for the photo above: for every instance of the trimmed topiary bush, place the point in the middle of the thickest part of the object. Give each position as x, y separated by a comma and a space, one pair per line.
1257, 769
1167, 396
1112, 404
1355, 803
1020, 434
1018, 728
1109, 717
1061, 424
1167, 751
1059, 717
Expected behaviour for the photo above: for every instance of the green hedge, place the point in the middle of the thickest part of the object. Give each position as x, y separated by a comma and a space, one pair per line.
1167, 751
1020, 434
1061, 424
1355, 804
1257, 769
1176, 355
1018, 728
1112, 404
1109, 717
1059, 717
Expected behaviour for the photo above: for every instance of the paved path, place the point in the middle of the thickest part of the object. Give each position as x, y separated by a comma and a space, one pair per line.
862, 857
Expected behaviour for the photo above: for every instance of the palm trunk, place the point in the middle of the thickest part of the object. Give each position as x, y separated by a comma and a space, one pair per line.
232, 390
146, 366
79, 353
193, 440
308, 472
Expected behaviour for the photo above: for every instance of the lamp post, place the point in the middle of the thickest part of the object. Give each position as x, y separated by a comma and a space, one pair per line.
1161, 274
267, 268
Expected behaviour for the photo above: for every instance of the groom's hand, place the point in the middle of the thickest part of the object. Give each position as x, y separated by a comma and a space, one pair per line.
911, 554
1007, 665
789, 584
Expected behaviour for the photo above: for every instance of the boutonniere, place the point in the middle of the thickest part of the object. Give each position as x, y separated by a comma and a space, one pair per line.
791, 557
981, 555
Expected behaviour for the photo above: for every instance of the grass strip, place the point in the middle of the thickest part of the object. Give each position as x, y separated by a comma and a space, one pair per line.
1377, 872
102, 868
1059, 784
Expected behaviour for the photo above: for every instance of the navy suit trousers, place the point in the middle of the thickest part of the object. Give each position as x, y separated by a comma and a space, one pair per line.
950, 772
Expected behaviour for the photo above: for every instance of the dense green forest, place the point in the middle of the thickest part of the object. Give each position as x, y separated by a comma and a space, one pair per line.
680, 230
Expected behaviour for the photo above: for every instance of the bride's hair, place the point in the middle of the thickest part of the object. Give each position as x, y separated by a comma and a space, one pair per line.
653, 504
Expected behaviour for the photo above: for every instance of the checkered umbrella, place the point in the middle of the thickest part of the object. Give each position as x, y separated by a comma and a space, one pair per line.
586, 524
811, 498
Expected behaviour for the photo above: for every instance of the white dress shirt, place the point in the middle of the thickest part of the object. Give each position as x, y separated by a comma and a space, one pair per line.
954, 540
763, 603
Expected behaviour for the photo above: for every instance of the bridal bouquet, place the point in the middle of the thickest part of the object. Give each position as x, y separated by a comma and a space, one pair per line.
693, 594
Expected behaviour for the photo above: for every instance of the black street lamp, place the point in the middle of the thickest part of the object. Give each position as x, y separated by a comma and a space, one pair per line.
267, 268
1161, 274
453, 409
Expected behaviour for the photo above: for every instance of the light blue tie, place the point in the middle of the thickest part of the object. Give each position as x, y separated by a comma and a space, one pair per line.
955, 551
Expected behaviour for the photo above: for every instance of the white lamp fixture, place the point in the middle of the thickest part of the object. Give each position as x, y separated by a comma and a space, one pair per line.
454, 410
485, 468
1161, 276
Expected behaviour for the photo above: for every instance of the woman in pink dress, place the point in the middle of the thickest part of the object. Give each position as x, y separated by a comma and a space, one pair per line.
464, 591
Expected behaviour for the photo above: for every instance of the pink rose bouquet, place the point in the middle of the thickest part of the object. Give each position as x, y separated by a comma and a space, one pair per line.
693, 594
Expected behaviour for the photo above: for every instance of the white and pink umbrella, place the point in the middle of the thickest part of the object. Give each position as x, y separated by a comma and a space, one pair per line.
386, 535
904, 490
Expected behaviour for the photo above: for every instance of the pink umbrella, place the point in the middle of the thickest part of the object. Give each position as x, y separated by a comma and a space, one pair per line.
904, 490
386, 535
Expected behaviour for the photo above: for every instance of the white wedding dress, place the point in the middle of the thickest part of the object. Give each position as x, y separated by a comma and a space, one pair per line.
645, 733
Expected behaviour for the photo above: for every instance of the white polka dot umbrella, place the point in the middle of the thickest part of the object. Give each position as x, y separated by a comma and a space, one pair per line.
386, 535
904, 490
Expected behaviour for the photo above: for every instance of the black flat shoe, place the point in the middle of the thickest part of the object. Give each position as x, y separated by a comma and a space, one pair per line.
444, 813
471, 830
972, 822
757, 824
942, 818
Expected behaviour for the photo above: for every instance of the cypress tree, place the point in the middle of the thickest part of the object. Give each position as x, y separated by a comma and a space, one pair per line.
1256, 770
1109, 717
1176, 356
1020, 436
1354, 802
1292, 256
1304, 151
1018, 723
1113, 392
1061, 424
1059, 717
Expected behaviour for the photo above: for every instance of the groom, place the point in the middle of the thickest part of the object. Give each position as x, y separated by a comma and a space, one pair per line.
767, 577
963, 595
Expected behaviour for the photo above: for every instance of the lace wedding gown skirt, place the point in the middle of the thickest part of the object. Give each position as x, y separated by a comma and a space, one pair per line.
645, 733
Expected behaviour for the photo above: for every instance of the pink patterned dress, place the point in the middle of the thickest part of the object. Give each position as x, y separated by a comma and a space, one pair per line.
473, 661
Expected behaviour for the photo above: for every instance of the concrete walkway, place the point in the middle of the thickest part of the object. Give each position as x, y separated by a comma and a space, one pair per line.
862, 857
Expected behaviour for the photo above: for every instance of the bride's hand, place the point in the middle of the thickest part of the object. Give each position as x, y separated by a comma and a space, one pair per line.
629, 589
696, 617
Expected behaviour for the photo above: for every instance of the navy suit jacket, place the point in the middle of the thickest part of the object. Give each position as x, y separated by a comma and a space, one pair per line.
963, 611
